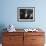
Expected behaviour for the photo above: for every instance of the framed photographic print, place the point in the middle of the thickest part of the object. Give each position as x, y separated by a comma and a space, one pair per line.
26, 14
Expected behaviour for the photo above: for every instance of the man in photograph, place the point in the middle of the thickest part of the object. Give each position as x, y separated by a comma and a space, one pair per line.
26, 14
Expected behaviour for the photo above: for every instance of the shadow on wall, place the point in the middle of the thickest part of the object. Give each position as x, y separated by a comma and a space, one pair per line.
2, 26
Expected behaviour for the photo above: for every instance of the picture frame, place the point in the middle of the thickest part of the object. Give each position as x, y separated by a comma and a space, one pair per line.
26, 14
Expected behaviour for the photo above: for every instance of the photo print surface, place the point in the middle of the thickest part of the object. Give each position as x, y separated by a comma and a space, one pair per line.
25, 14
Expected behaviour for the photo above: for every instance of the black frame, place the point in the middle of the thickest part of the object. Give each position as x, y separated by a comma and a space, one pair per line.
22, 12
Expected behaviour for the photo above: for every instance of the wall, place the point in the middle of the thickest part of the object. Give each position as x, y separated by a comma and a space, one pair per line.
9, 13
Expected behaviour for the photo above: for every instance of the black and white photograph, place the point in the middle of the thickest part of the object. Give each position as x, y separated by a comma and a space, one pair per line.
26, 14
